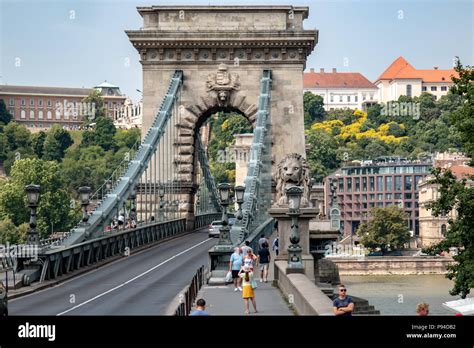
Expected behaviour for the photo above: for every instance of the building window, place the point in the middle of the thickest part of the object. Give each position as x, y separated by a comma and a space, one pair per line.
379, 183
12, 101
12, 112
371, 96
407, 195
340, 99
408, 90
49, 115
357, 184
364, 198
443, 230
417, 179
40, 114
372, 183
341, 185
398, 196
408, 183
444, 88
349, 184
58, 114
364, 184
407, 204
32, 102
348, 98
388, 196
32, 114
398, 183
110, 105
49, 103
364, 97
388, 183
40, 102
23, 102
379, 196
356, 98
331, 98
423, 89
434, 89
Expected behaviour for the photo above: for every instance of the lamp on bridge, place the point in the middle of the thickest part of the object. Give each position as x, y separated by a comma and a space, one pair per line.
33, 193
84, 195
224, 235
239, 197
133, 209
294, 194
161, 194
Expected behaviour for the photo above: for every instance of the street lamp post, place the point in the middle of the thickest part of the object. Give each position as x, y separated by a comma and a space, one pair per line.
33, 193
294, 194
161, 193
239, 197
84, 195
133, 209
224, 235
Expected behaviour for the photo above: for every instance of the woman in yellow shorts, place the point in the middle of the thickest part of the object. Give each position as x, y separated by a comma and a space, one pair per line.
247, 291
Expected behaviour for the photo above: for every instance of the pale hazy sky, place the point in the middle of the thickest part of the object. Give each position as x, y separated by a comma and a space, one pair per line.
75, 43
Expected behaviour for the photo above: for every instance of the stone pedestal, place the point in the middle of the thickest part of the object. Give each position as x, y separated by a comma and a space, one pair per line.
284, 232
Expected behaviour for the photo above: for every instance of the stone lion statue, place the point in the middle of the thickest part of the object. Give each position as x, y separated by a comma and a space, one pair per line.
292, 171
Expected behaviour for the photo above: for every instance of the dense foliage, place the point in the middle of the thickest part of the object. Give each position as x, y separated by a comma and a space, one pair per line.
456, 195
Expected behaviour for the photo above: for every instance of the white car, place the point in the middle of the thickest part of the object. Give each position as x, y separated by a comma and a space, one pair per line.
214, 228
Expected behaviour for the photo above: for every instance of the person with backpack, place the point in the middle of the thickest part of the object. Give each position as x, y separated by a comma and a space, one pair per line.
275, 245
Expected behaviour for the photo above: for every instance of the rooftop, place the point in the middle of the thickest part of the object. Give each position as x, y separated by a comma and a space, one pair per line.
335, 79
401, 69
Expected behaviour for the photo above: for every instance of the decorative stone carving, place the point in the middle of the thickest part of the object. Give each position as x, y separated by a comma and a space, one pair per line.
223, 83
292, 171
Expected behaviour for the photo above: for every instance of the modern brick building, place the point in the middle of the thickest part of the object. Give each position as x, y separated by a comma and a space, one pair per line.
379, 183
40, 107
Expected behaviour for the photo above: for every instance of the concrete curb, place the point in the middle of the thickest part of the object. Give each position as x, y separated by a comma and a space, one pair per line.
116, 258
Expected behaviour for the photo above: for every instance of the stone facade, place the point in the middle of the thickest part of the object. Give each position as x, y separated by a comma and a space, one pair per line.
223, 51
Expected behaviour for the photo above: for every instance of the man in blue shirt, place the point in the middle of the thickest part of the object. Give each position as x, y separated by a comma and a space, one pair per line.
200, 308
235, 265
343, 305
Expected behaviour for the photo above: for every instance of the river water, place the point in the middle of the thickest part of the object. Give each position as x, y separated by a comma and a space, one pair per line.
399, 295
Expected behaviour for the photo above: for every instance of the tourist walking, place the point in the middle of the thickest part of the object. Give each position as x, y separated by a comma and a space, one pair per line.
247, 279
275, 245
262, 241
235, 265
264, 261
200, 308
246, 247
249, 259
343, 305
422, 309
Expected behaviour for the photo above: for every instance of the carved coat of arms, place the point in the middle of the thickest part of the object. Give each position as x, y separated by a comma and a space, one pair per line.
223, 83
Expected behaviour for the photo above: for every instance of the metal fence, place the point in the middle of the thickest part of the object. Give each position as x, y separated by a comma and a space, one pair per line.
186, 301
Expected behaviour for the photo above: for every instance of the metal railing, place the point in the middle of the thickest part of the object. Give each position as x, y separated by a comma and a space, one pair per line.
189, 296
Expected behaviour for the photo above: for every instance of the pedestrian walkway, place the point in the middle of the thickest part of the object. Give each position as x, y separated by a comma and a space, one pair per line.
223, 300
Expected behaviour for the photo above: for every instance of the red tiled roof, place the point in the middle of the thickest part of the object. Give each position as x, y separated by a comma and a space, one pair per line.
401, 69
335, 80
462, 171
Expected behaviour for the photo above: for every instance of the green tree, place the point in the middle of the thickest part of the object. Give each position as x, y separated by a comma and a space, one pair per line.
5, 116
322, 153
37, 143
387, 229
56, 143
17, 136
456, 195
126, 138
9, 233
97, 108
54, 206
102, 134
313, 106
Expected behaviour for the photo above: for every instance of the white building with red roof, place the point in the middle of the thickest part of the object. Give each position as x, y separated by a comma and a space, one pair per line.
401, 78
341, 89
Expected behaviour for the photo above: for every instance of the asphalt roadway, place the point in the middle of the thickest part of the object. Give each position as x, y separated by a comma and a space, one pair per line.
140, 284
